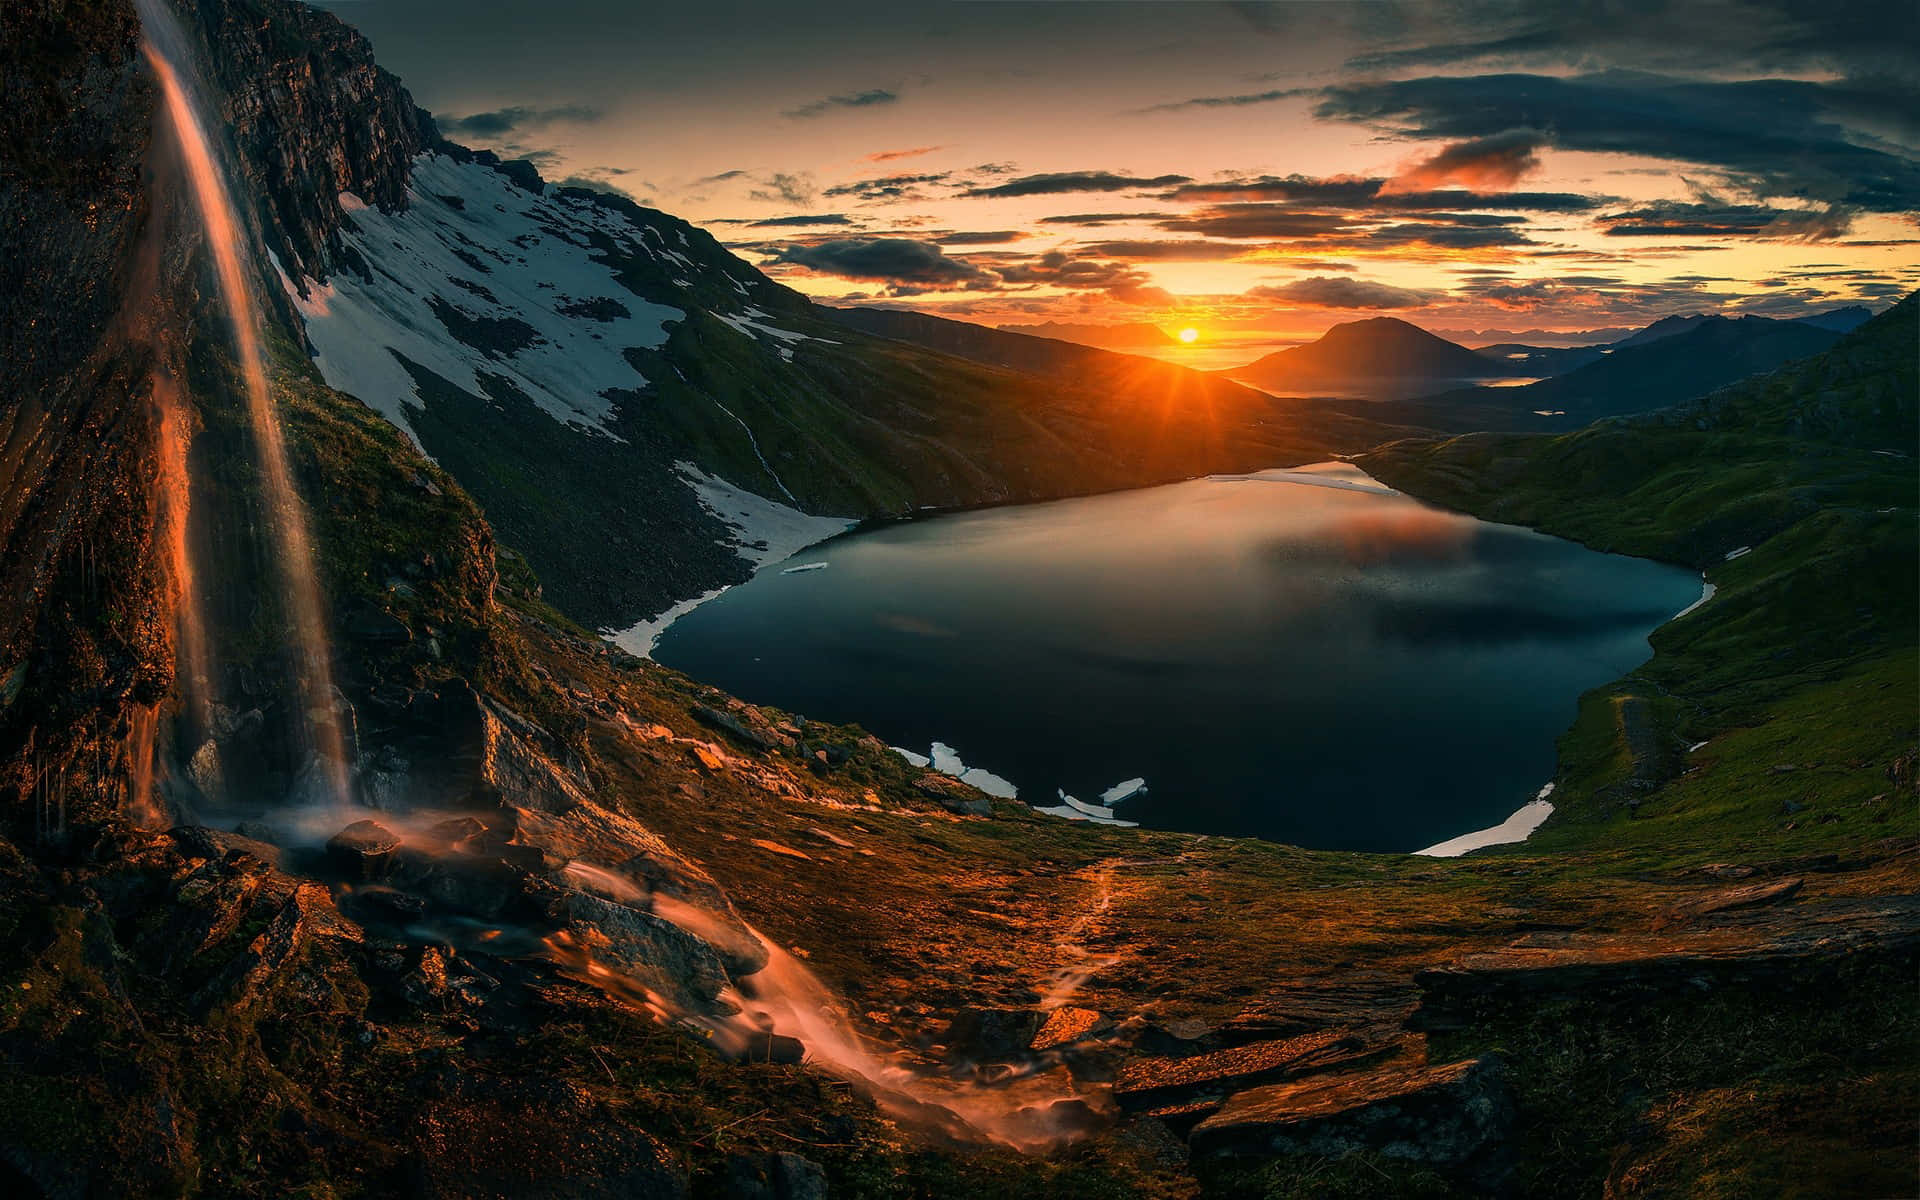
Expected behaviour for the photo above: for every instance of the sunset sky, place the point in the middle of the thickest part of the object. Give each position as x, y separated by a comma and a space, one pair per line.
1278, 167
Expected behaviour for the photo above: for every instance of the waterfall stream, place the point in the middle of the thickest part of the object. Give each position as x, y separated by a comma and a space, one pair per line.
166, 49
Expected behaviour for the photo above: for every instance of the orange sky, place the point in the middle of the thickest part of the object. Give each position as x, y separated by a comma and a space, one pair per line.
1233, 169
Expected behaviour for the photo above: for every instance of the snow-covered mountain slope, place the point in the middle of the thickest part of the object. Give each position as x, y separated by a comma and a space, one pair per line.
609, 381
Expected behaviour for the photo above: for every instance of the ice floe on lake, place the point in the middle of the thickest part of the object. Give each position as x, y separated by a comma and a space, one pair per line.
1343, 476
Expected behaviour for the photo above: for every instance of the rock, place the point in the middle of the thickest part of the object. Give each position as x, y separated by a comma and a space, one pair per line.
954, 796
1751, 896
1147, 1085
767, 1047
1763, 949
364, 850
992, 1034
1347, 1000
658, 954
733, 727
378, 627
1067, 1025
1450, 1117
778, 1176
798, 1178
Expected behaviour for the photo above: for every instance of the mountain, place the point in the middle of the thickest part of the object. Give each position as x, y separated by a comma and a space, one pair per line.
1666, 327
1133, 335
1376, 356
1630, 377
1840, 320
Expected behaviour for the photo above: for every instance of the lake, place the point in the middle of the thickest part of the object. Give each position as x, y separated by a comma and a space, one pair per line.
1299, 655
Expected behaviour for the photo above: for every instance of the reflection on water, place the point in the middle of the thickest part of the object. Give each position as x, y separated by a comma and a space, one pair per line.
1335, 666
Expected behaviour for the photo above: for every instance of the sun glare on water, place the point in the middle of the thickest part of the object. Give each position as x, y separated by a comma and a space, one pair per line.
1189, 336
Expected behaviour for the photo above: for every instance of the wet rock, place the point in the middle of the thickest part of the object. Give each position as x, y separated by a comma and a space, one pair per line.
1450, 1117
364, 850
778, 1176
768, 1047
657, 953
992, 1034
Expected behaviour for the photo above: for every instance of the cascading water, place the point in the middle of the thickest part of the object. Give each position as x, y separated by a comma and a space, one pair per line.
166, 49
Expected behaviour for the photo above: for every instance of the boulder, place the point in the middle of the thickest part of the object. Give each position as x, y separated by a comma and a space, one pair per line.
954, 796
1347, 1000
365, 850
992, 1034
1450, 1117
733, 727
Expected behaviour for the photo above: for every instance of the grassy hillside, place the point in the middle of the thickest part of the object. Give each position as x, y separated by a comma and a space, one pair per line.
1798, 673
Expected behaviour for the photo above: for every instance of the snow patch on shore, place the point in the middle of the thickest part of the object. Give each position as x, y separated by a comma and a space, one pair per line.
1516, 828
763, 531
1706, 594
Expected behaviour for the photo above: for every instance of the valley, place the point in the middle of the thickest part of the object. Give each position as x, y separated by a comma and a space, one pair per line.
496, 905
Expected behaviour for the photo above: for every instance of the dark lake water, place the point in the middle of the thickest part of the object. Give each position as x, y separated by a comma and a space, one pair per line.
1284, 656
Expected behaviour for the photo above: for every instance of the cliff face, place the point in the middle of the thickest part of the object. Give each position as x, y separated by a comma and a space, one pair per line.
82, 635
310, 116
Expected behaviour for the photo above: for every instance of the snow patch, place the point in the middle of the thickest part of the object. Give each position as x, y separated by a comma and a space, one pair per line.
640, 639
765, 531
1125, 790
1733, 554
803, 568
473, 244
1706, 594
1516, 828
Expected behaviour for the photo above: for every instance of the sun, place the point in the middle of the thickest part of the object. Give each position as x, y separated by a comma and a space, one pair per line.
1189, 336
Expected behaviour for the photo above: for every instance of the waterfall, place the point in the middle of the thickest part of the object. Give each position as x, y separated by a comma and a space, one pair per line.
167, 50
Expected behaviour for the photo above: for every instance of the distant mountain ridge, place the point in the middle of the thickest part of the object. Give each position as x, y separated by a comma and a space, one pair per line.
1627, 378
1130, 336
1378, 354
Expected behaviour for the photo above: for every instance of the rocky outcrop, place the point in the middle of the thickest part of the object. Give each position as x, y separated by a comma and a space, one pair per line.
310, 115
1757, 947
1449, 1117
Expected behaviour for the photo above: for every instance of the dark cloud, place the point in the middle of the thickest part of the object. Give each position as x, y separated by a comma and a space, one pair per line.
1097, 219
1261, 221
827, 104
722, 177
1759, 36
982, 237
1065, 182
1238, 101
1328, 291
1064, 270
1175, 251
1329, 231
887, 188
1672, 218
1353, 192
898, 261
785, 189
516, 119
1499, 160
1773, 137
805, 219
